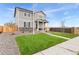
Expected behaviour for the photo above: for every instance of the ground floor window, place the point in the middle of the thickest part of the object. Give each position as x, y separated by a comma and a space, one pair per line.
24, 24
36, 25
27, 24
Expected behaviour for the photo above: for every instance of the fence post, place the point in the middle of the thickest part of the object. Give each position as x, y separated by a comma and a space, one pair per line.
73, 30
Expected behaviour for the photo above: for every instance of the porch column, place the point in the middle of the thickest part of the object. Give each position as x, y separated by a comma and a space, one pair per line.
37, 25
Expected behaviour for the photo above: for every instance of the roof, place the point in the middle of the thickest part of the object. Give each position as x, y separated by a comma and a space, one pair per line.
45, 21
42, 20
42, 12
22, 9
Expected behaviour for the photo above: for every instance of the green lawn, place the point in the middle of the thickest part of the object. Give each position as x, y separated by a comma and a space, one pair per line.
30, 44
68, 35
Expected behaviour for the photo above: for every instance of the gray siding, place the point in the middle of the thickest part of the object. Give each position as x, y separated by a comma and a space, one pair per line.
21, 18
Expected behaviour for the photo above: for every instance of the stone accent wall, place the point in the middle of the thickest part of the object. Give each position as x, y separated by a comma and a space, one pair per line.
24, 29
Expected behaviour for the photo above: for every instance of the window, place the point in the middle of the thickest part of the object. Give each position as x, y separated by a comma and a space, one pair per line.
40, 16
28, 14
29, 24
24, 24
24, 14
36, 25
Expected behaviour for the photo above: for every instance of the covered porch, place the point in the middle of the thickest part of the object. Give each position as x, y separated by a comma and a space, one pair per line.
40, 25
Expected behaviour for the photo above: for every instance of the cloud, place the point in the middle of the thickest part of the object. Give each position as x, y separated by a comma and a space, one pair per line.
73, 22
7, 15
11, 9
51, 12
70, 17
66, 13
63, 8
35, 5
76, 5
54, 23
54, 10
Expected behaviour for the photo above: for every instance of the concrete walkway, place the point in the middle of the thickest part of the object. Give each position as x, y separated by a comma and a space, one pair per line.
70, 47
8, 44
56, 35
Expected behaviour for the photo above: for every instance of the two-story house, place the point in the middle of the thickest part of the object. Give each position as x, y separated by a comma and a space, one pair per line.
24, 20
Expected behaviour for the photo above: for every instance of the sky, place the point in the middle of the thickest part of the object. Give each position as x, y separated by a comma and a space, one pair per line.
55, 13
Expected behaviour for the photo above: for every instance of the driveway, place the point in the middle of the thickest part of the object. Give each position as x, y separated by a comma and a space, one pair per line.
8, 44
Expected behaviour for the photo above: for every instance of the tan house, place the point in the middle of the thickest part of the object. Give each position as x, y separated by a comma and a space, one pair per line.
24, 20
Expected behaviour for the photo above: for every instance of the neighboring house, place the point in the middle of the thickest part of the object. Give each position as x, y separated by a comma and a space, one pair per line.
24, 20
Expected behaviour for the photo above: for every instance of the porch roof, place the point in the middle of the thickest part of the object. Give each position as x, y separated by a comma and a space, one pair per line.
42, 20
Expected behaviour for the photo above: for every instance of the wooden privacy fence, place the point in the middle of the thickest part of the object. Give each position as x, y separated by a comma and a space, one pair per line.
8, 28
1, 29
68, 30
74, 30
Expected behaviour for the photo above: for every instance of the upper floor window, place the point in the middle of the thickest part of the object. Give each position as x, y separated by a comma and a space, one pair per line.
24, 14
40, 16
27, 14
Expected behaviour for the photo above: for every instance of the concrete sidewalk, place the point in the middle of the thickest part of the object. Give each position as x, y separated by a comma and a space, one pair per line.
70, 47
56, 35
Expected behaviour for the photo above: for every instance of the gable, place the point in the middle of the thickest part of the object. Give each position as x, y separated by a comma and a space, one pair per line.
21, 9
43, 13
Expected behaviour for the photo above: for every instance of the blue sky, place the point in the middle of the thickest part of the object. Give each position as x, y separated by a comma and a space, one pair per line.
56, 12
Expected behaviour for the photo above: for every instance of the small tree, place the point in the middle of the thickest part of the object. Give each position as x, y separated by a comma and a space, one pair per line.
63, 25
10, 24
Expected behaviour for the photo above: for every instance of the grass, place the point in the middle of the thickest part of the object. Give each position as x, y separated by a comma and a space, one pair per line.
68, 35
30, 44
